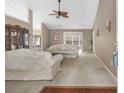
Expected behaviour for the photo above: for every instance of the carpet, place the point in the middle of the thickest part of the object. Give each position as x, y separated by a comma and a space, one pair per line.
60, 89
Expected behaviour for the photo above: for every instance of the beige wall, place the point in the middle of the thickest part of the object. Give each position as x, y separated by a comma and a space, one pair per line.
44, 37
86, 44
104, 45
55, 32
86, 34
14, 21
30, 17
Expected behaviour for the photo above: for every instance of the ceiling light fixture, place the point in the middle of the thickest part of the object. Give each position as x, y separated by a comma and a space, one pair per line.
60, 13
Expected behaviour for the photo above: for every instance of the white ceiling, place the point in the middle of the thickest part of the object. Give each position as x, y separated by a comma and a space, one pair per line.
81, 12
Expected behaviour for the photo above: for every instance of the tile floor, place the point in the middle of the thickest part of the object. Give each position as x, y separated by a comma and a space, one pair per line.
86, 70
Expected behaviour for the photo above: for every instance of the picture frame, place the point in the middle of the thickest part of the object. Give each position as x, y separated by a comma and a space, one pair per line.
55, 37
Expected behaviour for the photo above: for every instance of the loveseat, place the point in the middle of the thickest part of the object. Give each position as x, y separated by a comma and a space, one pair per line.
67, 50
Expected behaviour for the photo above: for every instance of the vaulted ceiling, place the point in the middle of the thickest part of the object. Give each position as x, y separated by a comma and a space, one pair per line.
81, 13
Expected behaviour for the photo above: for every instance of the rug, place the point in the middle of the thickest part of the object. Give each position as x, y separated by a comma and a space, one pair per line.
76, 89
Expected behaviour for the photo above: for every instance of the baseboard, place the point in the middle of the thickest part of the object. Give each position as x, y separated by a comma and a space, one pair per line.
105, 66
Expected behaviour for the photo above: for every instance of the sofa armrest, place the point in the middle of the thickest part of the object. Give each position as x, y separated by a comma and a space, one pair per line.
56, 58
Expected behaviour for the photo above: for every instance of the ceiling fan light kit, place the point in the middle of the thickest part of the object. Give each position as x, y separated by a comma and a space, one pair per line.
60, 13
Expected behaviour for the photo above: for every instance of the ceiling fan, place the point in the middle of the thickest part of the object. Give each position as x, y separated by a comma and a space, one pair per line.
60, 13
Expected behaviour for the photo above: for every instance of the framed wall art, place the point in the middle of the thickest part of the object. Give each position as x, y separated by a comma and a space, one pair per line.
55, 37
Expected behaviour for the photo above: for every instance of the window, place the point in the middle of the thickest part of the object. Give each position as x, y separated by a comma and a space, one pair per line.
73, 38
37, 41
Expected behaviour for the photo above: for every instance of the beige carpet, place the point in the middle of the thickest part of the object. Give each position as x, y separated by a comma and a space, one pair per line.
83, 71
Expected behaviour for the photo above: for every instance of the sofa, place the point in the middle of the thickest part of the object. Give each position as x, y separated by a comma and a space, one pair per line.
67, 50
28, 64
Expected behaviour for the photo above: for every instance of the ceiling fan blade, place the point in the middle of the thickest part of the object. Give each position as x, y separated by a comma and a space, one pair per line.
55, 11
64, 12
65, 16
52, 14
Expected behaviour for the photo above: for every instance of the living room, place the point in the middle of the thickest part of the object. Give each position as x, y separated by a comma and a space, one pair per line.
78, 43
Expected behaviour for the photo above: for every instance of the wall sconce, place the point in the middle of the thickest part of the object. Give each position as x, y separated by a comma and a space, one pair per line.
109, 25
97, 33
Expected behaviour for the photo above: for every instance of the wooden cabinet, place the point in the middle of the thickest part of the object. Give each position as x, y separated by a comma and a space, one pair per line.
25, 38
7, 38
16, 37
